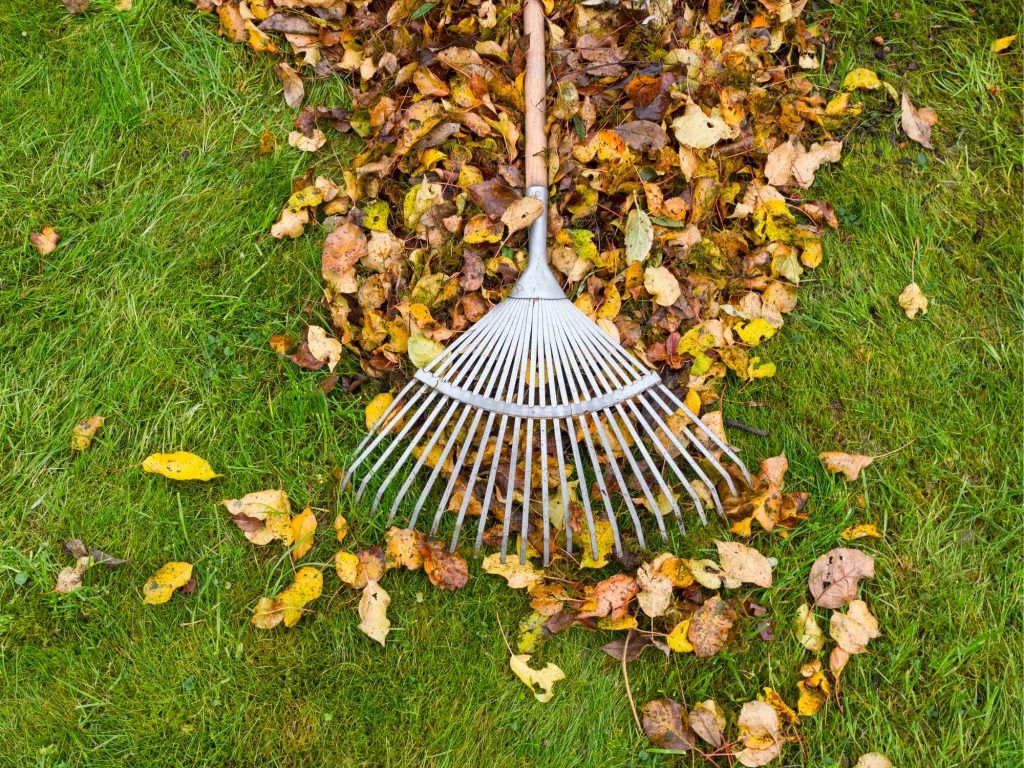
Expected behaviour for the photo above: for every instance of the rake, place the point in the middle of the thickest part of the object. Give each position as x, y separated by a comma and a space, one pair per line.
541, 380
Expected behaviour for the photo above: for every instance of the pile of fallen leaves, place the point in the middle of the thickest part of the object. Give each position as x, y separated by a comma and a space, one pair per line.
679, 144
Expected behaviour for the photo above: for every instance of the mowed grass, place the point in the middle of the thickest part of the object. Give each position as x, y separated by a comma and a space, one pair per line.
136, 136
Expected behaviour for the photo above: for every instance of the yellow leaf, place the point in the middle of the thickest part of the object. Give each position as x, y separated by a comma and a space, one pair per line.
303, 526
861, 78
373, 612
808, 633
422, 350
677, 639
376, 407
913, 300
517, 576
854, 629
814, 689
179, 466
308, 585
161, 585
776, 702
605, 540
348, 567
1003, 43
773, 221
82, 434
861, 531
754, 332
45, 240
263, 516
341, 527
522, 213
612, 303
305, 198
483, 229
376, 216
626, 622
544, 679
402, 549
304, 143
662, 285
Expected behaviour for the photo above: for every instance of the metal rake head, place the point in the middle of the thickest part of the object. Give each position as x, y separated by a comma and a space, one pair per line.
537, 387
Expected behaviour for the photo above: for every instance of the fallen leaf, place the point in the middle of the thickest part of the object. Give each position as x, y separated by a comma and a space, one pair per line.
349, 570
423, 350
861, 531
373, 612
915, 125
835, 576
70, 578
263, 516
343, 248
913, 300
642, 135
655, 593
759, 733
267, 614
610, 597
861, 78
850, 464
605, 541
744, 563
710, 627
632, 646
874, 759
45, 240
307, 586
678, 639
322, 347
447, 570
1001, 45
303, 526
402, 549
292, 82
667, 726
697, 130
807, 630
161, 585
772, 698
639, 236
304, 143
852, 630
522, 213
82, 434
518, 576
77, 549
76, 6
289, 224
814, 689
375, 408
837, 661
708, 721
179, 466
662, 285
544, 679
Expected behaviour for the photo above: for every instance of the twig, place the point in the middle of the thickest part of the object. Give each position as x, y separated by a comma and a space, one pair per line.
746, 428
203, 556
625, 677
897, 450
503, 637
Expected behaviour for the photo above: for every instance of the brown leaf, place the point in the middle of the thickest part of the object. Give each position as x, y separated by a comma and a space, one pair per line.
83, 432
493, 197
914, 124
850, 464
343, 249
666, 725
46, 239
852, 630
744, 563
403, 549
472, 278
610, 597
522, 213
76, 6
710, 627
447, 570
294, 91
642, 135
708, 722
637, 642
77, 549
835, 576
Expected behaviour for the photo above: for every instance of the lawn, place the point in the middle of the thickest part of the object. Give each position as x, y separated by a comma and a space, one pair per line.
136, 136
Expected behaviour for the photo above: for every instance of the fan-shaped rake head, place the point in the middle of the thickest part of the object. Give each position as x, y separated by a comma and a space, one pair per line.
531, 397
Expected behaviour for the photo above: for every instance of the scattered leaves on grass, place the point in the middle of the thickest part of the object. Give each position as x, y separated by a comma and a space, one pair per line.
341, 527
772, 698
854, 629
304, 143
179, 466
912, 300
916, 125
667, 725
161, 585
83, 432
373, 612
808, 633
850, 464
375, 408
46, 239
263, 516
540, 681
835, 576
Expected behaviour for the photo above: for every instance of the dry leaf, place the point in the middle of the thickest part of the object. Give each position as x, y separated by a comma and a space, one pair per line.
292, 82
341, 527
447, 570
835, 576
850, 464
263, 516
998, 46
373, 612
837, 661
45, 240
915, 125
759, 734
667, 726
655, 594
544, 679
678, 639
861, 531
708, 721
375, 408
814, 689
304, 143
807, 630
402, 549
82, 434
913, 300
852, 630
744, 563
522, 213
605, 541
308, 586
70, 578
323, 347
874, 759
710, 627
179, 466
161, 585
772, 698
423, 350
662, 285
699, 131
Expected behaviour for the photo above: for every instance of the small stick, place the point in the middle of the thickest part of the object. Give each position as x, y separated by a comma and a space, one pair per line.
746, 428
625, 677
204, 555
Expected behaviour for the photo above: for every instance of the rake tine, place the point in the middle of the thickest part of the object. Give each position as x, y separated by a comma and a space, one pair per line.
513, 462
533, 368
411, 422
490, 485
385, 425
449, 444
463, 452
472, 482
544, 493
553, 373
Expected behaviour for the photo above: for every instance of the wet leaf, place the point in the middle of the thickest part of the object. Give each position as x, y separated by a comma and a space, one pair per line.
835, 576
913, 300
161, 585
861, 531
542, 679
850, 464
446, 570
373, 612
179, 466
83, 432
667, 725
303, 526
710, 627
861, 78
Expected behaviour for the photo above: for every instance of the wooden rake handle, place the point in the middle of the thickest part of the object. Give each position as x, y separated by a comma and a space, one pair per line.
534, 92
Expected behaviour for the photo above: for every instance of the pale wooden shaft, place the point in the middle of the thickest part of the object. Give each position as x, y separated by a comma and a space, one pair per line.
534, 89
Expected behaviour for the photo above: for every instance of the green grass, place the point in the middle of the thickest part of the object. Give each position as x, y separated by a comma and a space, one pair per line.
136, 136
